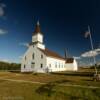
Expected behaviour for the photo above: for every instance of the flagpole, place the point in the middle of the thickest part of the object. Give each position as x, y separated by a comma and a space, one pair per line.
91, 41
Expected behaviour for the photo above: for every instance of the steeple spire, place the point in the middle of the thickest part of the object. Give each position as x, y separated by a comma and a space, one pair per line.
37, 28
65, 54
38, 23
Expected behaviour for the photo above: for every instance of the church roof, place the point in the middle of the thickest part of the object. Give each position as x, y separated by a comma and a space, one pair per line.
37, 28
69, 60
50, 53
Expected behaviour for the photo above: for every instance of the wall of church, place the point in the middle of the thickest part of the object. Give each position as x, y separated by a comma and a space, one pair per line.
26, 61
33, 64
54, 64
40, 61
71, 66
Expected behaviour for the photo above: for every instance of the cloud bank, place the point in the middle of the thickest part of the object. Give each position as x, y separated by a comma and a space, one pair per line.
5, 60
3, 31
91, 53
2, 12
77, 58
24, 44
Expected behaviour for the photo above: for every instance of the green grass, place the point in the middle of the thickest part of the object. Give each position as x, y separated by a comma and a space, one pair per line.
53, 89
28, 91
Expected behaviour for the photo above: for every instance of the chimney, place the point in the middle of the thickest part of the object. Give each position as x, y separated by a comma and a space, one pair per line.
65, 54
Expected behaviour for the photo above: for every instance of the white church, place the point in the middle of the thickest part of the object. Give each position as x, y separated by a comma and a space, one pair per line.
42, 60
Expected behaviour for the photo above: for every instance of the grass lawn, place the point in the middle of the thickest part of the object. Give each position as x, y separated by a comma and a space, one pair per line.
53, 89
27, 91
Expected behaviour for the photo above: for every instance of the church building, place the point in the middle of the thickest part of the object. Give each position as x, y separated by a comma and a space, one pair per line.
42, 60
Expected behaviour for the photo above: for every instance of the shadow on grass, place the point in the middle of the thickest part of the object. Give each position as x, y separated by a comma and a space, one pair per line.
96, 92
46, 89
89, 80
62, 81
67, 96
50, 90
75, 74
2, 81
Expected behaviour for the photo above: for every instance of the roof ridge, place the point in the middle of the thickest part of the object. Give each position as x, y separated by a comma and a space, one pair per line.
51, 53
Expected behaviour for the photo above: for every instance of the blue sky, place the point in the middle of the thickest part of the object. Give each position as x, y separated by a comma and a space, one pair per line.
63, 23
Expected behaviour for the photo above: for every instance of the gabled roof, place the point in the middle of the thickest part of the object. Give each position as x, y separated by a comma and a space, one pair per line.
37, 28
69, 60
50, 53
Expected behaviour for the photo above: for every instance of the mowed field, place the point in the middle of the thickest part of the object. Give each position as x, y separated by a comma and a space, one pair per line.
54, 86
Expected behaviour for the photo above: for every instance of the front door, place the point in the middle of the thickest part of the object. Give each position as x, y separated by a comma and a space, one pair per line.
32, 65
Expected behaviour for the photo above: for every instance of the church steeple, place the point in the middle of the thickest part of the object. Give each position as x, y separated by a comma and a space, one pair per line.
37, 37
38, 23
37, 28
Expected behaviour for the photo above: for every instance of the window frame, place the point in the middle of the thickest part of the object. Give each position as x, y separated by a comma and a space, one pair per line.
33, 56
41, 56
25, 58
24, 66
41, 66
33, 64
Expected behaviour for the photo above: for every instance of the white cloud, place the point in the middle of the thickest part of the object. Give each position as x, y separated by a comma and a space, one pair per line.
77, 58
5, 60
91, 53
20, 57
2, 5
2, 12
9, 60
97, 50
3, 31
24, 44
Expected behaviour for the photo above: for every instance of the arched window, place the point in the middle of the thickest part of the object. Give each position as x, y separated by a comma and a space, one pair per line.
56, 64
24, 66
59, 65
32, 65
50, 65
41, 66
33, 56
25, 57
41, 56
62, 65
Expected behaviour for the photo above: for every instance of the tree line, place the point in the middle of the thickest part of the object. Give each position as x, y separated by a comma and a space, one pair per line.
9, 66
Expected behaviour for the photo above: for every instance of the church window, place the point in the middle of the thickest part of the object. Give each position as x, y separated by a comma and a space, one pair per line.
41, 56
41, 65
33, 56
59, 65
49, 65
24, 66
32, 65
62, 65
56, 64
25, 57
